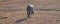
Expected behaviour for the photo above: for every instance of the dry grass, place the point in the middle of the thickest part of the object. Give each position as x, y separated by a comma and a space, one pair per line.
42, 17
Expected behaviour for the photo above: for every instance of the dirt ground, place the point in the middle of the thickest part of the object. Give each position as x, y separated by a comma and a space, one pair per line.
39, 17
20, 17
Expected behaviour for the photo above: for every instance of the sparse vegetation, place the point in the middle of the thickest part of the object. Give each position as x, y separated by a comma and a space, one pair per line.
46, 12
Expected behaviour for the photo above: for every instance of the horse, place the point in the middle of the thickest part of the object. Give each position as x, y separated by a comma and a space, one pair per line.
30, 10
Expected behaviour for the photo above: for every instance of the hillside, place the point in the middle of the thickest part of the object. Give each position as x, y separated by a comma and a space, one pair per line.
18, 4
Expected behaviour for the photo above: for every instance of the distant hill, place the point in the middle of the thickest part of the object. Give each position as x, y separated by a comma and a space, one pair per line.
19, 4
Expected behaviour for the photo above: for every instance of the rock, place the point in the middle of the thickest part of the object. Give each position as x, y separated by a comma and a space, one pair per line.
3, 17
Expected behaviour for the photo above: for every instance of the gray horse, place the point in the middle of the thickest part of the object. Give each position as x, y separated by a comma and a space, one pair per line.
29, 10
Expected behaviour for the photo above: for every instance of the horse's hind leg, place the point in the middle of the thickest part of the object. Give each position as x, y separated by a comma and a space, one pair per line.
28, 14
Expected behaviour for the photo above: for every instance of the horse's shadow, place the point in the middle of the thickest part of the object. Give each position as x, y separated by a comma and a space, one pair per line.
17, 21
